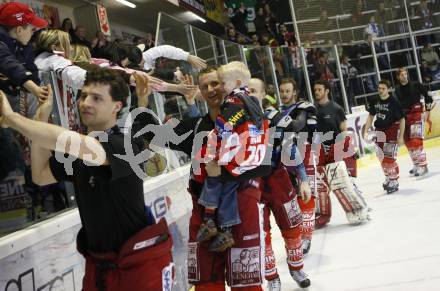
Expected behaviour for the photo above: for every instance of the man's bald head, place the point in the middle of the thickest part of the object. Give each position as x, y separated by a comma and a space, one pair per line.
257, 88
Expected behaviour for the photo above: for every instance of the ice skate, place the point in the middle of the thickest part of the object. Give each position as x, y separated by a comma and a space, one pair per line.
421, 171
274, 285
392, 186
306, 244
207, 230
223, 241
413, 171
300, 278
385, 184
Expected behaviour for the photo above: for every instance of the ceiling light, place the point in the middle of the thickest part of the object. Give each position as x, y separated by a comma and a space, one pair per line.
197, 17
127, 3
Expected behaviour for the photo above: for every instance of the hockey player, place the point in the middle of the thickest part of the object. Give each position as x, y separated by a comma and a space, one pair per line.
409, 94
241, 264
280, 197
303, 115
332, 164
121, 250
240, 114
390, 120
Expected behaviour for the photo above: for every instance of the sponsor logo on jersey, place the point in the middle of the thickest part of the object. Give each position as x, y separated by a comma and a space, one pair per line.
246, 266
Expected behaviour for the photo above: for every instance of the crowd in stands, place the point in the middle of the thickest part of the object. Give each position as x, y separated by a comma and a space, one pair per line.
28, 51
352, 24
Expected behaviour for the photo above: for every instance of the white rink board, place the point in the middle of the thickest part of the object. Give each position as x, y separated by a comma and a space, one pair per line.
44, 256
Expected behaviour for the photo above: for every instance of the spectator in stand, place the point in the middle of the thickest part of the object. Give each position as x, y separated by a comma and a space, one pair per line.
431, 57
322, 68
255, 40
137, 40
271, 25
53, 49
325, 24
373, 29
356, 14
382, 17
280, 65
17, 74
67, 26
284, 36
149, 41
268, 12
241, 39
239, 19
425, 71
79, 37
296, 65
425, 13
349, 73
98, 45
232, 35
81, 57
260, 21
17, 68
265, 39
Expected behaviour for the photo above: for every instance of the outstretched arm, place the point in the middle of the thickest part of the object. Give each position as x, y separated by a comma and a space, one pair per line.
52, 137
170, 52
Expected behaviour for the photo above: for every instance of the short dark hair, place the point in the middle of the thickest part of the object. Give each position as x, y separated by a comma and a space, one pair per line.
324, 83
289, 81
208, 70
386, 83
118, 85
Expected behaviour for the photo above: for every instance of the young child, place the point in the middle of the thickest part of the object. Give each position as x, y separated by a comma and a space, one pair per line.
238, 144
17, 69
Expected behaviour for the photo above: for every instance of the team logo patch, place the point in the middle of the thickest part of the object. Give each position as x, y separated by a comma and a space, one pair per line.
193, 266
390, 150
19, 16
416, 130
293, 212
246, 266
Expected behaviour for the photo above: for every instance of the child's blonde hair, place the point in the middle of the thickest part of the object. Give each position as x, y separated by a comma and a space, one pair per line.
232, 72
54, 37
80, 54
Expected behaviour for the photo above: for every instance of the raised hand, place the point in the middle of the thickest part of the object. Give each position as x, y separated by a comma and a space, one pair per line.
5, 110
142, 88
197, 62
45, 106
305, 191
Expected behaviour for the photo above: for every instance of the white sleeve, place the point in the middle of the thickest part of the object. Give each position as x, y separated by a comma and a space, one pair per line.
57, 63
166, 51
74, 76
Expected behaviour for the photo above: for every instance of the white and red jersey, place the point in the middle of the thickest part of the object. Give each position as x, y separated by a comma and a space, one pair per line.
240, 137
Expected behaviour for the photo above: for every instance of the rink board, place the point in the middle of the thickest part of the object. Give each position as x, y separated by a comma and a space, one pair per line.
44, 256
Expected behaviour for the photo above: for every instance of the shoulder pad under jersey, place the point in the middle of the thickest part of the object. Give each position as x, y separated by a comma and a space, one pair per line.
305, 105
271, 113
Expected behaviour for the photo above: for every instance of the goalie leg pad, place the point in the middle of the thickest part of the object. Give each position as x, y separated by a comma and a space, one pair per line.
323, 208
342, 185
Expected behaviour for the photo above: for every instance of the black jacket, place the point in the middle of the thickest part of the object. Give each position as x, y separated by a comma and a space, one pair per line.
16, 63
